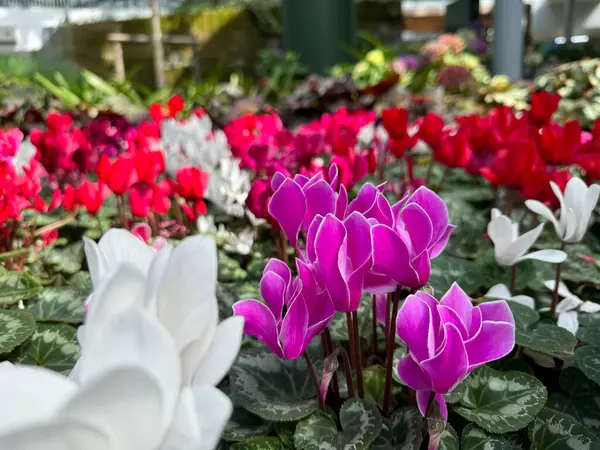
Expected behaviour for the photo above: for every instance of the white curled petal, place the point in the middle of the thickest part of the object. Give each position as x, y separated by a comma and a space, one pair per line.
542, 210
568, 304
550, 256
75, 434
499, 291
568, 320
213, 409
520, 246
589, 307
524, 300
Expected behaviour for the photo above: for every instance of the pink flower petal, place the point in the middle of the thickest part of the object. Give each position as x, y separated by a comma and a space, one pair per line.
259, 322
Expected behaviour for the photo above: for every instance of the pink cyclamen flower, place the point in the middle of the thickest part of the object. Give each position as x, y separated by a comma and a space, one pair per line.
449, 339
402, 249
297, 201
294, 312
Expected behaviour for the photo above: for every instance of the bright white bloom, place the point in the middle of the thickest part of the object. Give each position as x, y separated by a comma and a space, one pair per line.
576, 207
510, 248
569, 307
177, 287
228, 187
24, 155
192, 142
501, 292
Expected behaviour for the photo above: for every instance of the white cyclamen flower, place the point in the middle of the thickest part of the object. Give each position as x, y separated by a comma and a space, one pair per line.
177, 287
501, 292
569, 307
228, 187
576, 207
510, 248
124, 399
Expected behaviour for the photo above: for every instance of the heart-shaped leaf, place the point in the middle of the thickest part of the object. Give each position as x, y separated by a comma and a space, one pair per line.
548, 339
53, 346
15, 328
16, 286
582, 400
588, 360
524, 316
338, 328
445, 270
494, 273
260, 443
589, 335
500, 402
374, 381
67, 259
474, 438
553, 430
404, 430
60, 304
242, 426
271, 388
361, 423
449, 439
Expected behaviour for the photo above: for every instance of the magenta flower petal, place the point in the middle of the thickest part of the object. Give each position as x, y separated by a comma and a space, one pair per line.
460, 302
358, 240
448, 315
423, 400
311, 237
333, 176
450, 365
422, 267
414, 325
328, 242
435, 208
364, 200
380, 308
320, 200
439, 246
342, 203
378, 284
498, 311
259, 322
293, 329
493, 341
280, 268
288, 208
419, 227
391, 256
273, 290
413, 375
277, 179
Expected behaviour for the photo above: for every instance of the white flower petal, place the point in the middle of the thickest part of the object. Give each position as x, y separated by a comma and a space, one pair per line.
563, 209
568, 304
222, 352
95, 260
155, 275
524, 300
523, 243
30, 394
500, 232
571, 227
127, 403
589, 307
542, 210
591, 199
213, 409
183, 433
550, 256
120, 246
568, 321
499, 291
64, 435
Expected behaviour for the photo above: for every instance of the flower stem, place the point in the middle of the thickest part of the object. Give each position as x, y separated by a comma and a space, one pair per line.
352, 344
556, 283
374, 327
428, 411
444, 176
284, 249
122, 213
348, 372
328, 350
358, 354
513, 279
313, 375
389, 347
429, 172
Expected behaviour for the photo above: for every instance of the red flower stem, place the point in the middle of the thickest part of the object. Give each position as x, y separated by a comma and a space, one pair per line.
358, 353
335, 387
428, 411
348, 372
409, 169
374, 327
284, 250
315, 379
556, 283
351, 344
513, 279
122, 213
152, 223
389, 347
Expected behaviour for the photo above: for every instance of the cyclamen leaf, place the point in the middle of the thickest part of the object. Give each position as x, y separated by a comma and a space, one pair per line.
271, 388
243, 425
361, 423
16, 286
474, 438
374, 381
449, 439
582, 401
588, 360
16, 326
260, 443
589, 335
67, 259
500, 402
402, 431
53, 346
60, 304
553, 430
445, 270
548, 339
524, 316
338, 328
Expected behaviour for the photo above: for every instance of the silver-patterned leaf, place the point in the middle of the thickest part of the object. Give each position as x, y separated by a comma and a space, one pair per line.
58, 304
16, 326
548, 339
553, 430
474, 438
449, 440
588, 360
16, 286
338, 328
53, 346
242, 426
360, 420
271, 388
445, 270
583, 398
260, 443
500, 402
67, 259
402, 431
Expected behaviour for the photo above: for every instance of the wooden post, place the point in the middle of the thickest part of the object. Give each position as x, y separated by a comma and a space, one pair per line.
119, 61
158, 51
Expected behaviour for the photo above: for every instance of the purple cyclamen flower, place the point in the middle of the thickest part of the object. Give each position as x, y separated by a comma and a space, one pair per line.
340, 251
448, 340
294, 312
297, 201
402, 250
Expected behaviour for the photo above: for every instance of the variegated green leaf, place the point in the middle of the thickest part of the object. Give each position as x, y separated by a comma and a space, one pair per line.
402, 431
242, 426
67, 259
449, 440
15, 328
16, 286
553, 430
474, 438
361, 423
260, 443
274, 389
548, 339
52, 345
588, 360
445, 270
60, 304
500, 402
